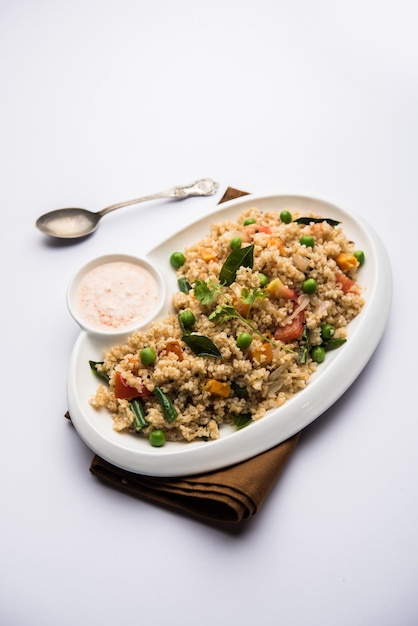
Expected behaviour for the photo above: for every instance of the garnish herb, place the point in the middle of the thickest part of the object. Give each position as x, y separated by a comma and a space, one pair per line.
205, 292
169, 410
244, 257
99, 373
304, 346
201, 345
239, 391
138, 410
316, 220
240, 421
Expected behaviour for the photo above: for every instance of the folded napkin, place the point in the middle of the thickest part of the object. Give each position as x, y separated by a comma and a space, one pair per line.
229, 495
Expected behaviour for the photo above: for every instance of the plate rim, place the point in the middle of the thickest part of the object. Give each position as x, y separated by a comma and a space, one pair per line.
198, 457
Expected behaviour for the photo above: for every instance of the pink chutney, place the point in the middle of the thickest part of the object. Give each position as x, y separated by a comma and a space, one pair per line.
117, 295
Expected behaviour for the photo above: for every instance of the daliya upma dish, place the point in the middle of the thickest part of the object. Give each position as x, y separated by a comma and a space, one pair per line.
260, 302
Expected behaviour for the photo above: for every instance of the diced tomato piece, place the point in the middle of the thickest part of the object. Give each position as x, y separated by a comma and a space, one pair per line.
125, 392
346, 283
291, 331
278, 290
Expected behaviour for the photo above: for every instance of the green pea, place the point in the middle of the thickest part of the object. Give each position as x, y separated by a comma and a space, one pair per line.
360, 256
244, 341
318, 354
309, 285
307, 240
187, 318
286, 217
157, 438
235, 243
147, 356
177, 259
264, 280
248, 221
327, 331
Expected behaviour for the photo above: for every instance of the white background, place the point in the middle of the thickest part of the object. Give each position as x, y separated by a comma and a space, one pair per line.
107, 100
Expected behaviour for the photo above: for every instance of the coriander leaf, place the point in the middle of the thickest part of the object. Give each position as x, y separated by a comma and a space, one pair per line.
203, 293
223, 313
250, 297
243, 257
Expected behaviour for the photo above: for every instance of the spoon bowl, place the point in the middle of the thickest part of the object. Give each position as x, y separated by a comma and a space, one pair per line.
73, 223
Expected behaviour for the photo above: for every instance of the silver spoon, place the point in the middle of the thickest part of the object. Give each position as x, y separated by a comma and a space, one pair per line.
73, 223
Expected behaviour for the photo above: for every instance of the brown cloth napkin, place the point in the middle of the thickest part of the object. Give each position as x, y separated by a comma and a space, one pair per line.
230, 495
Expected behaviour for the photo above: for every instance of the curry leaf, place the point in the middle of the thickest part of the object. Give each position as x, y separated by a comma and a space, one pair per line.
242, 420
243, 257
316, 220
201, 345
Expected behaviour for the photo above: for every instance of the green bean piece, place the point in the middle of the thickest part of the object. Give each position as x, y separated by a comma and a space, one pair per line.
98, 373
138, 410
183, 284
360, 256
169, 410
333, 343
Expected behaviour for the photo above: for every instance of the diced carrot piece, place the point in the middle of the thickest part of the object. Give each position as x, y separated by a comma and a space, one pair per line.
175, 348
277, 243
242, 307
263, 354
347, 262
207, 254
217, 388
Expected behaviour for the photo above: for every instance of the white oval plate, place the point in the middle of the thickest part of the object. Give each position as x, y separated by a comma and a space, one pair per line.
334, 376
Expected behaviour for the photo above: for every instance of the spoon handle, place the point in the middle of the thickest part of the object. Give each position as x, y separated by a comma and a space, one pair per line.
202, 187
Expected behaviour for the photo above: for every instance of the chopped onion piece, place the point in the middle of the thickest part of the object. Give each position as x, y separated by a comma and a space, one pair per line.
303, 301
301, 262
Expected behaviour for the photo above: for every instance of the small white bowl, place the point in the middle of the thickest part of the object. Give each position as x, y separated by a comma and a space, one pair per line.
118, 299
